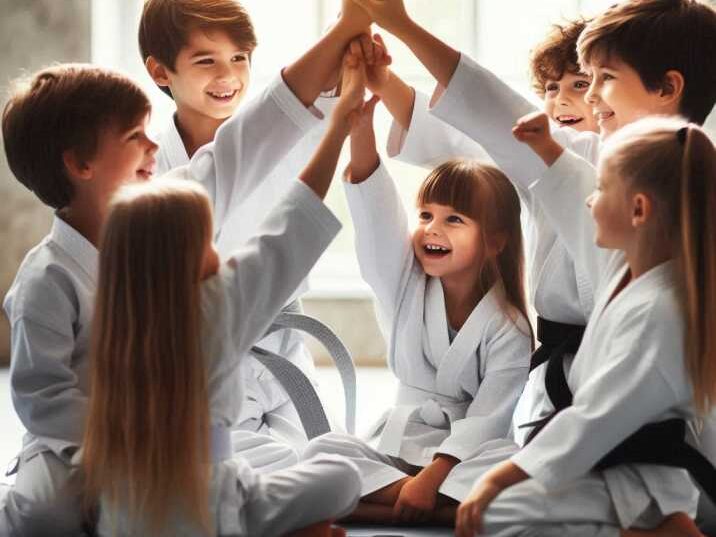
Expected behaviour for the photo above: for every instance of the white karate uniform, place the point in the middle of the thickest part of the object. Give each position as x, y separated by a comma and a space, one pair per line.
50, 307
238, 304
559, 291
269, 432
629, 372
455, 393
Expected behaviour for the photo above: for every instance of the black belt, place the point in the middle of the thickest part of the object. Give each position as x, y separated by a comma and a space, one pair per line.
663, 443
555, 339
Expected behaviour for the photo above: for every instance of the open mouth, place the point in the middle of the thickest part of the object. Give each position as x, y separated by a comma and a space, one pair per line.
603, 116
222, 96
435, 251
146, 172
567, 120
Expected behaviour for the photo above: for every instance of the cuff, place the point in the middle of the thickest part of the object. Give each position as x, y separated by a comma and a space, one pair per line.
401, 140
313, 207
305, 118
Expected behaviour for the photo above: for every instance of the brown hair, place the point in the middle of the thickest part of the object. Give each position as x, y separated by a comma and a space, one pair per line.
656, 36
146, 442
675, 163
556, 55
484, 193
61, 108
166, 24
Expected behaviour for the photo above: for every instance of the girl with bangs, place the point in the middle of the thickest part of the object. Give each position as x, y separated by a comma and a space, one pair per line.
451, 300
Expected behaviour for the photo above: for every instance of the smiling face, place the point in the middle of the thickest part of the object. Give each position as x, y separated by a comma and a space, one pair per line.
618, 96
122, 156
447, 243
211, 75
564, 102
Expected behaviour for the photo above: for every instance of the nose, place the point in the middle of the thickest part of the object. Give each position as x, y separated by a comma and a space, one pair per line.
152, 146
224, 72
592, 95
590, 200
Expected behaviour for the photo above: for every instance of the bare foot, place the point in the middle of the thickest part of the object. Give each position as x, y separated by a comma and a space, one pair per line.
676, 525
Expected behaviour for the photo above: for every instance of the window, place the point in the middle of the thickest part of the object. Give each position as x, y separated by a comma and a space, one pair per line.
498, 34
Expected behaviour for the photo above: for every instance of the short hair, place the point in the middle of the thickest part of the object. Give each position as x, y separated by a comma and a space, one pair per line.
656, 36
556, 55
61, 108
166, 24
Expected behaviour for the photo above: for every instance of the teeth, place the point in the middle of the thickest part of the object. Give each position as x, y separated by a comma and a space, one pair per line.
435, 248
223, 95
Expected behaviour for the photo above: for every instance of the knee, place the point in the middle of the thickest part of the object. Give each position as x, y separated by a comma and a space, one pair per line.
342, 481
329, 443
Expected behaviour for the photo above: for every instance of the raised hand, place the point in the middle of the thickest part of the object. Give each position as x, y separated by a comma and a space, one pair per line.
352, 89
388, 14
354, 17
533, 130
377, 60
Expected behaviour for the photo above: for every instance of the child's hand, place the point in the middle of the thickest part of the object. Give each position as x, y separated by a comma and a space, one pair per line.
533, 130
354, 17
468, 522
377, 60
352, 90
388, 14
416, 501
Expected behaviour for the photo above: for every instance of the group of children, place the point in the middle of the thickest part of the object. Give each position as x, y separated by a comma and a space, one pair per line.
133, 320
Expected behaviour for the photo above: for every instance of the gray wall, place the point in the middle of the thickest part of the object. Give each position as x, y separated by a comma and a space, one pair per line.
33, 34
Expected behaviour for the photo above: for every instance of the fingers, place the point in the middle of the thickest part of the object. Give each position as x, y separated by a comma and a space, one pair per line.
370, 105
469, 520
366, 44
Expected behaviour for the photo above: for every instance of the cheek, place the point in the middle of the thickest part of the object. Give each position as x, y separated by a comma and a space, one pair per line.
549, 106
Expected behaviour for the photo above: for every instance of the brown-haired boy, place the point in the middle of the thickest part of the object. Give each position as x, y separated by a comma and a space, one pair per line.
199, 53
73, 151
60, 142
652, 51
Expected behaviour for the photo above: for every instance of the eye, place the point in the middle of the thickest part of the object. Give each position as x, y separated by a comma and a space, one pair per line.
607, 76
240, 58
455, 219
581, 84
205, 61
552, 86
425, 216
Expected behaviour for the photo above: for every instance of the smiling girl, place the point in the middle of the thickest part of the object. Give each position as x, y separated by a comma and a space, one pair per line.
451, 299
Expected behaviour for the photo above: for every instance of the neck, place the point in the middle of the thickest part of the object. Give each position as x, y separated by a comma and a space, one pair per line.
644, 255
462, 294
195, 129
86, 215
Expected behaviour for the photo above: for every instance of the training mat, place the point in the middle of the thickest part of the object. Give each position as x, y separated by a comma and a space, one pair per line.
390, 531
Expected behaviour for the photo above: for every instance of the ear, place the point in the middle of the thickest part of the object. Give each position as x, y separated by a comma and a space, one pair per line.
642, 209
158, 72
77, 168
672, 88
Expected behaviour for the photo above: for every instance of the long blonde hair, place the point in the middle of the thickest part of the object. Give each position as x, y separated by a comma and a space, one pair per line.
484, 193
146, 442
675, 163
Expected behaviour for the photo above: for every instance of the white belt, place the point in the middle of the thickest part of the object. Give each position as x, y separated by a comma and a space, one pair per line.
434, 409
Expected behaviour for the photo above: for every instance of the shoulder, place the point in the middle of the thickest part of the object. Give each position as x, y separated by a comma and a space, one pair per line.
45, 288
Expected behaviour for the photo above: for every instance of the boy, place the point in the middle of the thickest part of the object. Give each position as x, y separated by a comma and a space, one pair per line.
633, 75
200, 56
76, 160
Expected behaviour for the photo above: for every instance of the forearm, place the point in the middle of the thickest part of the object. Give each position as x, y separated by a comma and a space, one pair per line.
312, 72
435, 473
319, 172
364, 155
399, 98
439, 58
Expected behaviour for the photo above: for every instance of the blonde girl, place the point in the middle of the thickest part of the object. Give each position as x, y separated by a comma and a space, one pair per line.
613, 458
170, 323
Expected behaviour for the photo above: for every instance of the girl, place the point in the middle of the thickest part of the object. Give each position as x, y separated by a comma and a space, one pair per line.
170, 324
451, 298
649, 353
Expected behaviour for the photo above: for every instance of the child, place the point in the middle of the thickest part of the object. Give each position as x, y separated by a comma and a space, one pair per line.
647, 360
65, 144
172, 323
452, 302
200, 55
560, 293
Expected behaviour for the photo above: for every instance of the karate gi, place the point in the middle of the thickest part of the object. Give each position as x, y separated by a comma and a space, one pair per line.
559, 291
50, 307
458, 389
629, 372
268, 433
238, 304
